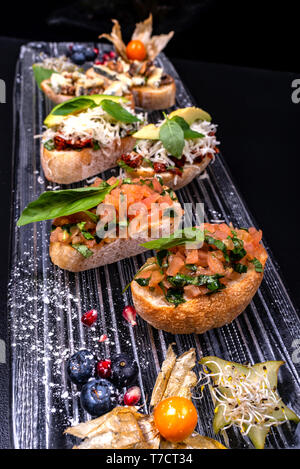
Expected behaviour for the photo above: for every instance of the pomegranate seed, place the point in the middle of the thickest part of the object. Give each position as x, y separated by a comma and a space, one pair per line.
105, 57
103, 338
129, 313
89, 317
112, 54
132, 396
98, 62
103, 368
96, 50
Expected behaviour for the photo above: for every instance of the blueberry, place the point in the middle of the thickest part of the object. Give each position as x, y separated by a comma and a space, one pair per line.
98, 397
78, 48
124, 370
78, 57
90, 54
81, 367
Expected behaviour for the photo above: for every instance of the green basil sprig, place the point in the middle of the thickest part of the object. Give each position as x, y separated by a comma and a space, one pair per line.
73, 105
41, 73
172, 137
118, 112
187, 131
179, 237
53, 204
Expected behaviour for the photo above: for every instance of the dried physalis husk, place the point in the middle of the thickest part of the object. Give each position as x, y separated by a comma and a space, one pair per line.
122, 428
143, 30
195, 441
182, 379
116, 38
163, 377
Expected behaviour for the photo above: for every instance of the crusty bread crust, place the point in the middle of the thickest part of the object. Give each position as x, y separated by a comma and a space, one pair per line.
201, 314
60, 98
55, 98
147, 97
188, 174
68, 166
155, 99
66, 257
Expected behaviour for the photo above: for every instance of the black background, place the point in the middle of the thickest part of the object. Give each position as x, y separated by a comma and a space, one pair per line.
238, 59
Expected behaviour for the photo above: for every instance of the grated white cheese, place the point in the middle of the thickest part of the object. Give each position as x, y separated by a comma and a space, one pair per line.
154, 150
93, 123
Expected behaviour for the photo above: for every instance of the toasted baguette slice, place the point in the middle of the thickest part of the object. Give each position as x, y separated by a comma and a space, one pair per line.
60, 98
169, 179
68, 166
148, 97
154, 99
68, 258
201, 314
54, 97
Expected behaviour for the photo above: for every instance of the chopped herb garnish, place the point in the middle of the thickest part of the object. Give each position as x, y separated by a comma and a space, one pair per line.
257, 264
240, 268
143, 282
83, 250
49, 145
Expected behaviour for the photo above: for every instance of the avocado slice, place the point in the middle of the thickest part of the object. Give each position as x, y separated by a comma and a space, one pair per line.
77, 105
257, 433
189, 114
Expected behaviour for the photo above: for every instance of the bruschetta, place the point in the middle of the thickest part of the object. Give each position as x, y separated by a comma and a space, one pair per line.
105, 222
62, 80
86, 135
178, 149
190, 289
134, 67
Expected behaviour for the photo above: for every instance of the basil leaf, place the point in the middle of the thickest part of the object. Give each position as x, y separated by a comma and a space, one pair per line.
92, 216
160, 255
143, 282
210, 281
257, 264
49, 145
41, 73
175, 296
53, 204
125, 166
96, 145
187, 131
179, 237
172, 137
238, 252
118, 112
86, 234
240, 268
219, 245
83, 249
72, 106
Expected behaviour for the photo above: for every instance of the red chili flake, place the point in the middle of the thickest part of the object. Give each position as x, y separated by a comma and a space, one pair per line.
89, 317
105, 57
98, 62
103, 368
96, 50
112, 54
129, 313
103, 338
132, 396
